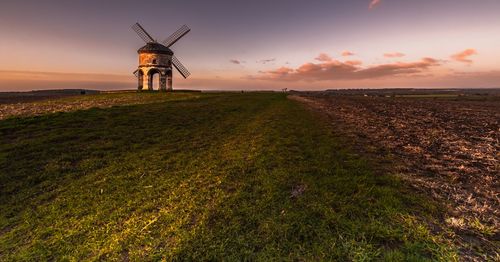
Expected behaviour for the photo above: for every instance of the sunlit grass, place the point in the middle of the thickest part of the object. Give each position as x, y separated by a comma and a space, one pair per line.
240, 176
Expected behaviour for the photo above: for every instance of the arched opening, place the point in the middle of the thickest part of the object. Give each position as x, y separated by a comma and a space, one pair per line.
154, 79
140, 79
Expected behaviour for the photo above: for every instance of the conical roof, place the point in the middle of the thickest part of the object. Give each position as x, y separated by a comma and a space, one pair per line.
155, 48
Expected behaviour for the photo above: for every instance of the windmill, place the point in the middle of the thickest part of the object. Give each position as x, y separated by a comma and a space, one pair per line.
158, 58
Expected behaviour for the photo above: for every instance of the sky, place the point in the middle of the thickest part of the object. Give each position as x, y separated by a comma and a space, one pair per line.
254, 45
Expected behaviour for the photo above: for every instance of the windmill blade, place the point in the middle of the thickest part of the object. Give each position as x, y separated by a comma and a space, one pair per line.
142, 33
184, 72
176, 36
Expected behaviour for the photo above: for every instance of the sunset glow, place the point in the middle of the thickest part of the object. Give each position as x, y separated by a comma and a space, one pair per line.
255, 45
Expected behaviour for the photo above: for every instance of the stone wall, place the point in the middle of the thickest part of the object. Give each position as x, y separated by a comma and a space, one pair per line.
147, 59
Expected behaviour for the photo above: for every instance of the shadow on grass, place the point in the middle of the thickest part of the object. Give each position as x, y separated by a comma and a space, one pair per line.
239, 176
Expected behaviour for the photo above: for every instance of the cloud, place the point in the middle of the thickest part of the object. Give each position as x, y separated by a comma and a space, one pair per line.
348, 70
399, 68
265, 61
393, 55
464, 56
347, 53
278, 73
374, 3
353, 62
236, 61
324, 58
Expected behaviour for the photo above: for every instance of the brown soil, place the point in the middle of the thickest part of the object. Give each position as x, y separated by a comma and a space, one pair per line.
446, 148
81, 102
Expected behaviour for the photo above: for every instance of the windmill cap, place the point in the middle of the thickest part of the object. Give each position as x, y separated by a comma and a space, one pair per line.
155, 48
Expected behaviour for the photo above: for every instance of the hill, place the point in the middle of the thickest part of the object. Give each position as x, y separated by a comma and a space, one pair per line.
244, 176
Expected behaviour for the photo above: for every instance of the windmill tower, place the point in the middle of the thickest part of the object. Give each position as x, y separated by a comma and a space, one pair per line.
158, 58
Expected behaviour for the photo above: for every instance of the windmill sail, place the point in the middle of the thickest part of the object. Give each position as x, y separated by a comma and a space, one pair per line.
142, 33
183, 70
176, 36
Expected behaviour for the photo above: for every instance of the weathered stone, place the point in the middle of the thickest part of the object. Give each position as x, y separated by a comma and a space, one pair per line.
154, 59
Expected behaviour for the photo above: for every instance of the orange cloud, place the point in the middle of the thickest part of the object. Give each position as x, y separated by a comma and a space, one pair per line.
353, 62
348, 70
374, 3
400, 68
324, 57
393, 55
347, 53
278, 73
464, 56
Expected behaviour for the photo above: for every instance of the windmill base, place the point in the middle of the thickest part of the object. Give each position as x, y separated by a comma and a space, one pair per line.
145, 77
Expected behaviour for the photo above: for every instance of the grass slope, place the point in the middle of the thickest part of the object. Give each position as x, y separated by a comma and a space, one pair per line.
240, 176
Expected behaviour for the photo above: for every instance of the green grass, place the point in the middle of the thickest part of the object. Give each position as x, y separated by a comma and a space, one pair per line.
125, 97
236, 176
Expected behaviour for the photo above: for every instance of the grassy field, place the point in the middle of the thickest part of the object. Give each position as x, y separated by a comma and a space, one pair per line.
15, 108
236, 176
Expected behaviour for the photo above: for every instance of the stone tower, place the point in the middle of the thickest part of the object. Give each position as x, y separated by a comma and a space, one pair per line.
155, 58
